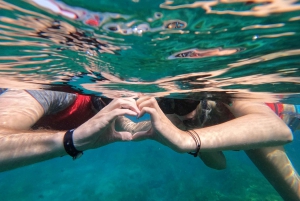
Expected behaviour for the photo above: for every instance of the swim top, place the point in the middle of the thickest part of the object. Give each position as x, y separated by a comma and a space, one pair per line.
2, 90
290, 114
63, 111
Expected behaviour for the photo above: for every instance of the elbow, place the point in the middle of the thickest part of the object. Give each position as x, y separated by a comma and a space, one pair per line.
282, 134
289, 138
287, 135
215, 160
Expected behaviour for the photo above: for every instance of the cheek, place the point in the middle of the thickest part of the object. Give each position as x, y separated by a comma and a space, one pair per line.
182, 118
190, 115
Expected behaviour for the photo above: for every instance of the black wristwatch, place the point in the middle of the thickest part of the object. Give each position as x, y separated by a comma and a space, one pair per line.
69, 146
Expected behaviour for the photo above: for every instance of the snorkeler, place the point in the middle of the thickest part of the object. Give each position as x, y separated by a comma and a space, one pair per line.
206, 128
21, 110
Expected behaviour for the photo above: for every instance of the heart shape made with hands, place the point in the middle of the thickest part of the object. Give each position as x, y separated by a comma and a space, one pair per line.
126, 119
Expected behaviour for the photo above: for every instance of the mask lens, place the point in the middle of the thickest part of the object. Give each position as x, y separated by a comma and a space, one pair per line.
184, 107
166, 105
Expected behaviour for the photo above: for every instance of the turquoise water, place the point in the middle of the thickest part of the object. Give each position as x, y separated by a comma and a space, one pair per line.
241, 49
138, 171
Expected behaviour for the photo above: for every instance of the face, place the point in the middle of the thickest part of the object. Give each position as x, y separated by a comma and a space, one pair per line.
185, 110
188, 116
180, 107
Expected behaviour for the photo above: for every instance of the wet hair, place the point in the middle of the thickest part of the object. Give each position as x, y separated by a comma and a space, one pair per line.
202, 115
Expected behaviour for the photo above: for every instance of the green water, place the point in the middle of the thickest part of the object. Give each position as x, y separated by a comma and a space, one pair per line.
40, 48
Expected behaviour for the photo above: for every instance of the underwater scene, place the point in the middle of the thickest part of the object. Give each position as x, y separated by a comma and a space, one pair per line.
222, 50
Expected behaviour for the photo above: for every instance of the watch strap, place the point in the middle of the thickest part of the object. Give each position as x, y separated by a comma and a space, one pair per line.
69, 145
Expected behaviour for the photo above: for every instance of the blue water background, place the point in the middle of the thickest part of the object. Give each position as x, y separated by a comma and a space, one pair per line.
143, 170
137, 171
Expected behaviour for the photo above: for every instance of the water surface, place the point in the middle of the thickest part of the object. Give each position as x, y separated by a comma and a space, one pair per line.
244, 49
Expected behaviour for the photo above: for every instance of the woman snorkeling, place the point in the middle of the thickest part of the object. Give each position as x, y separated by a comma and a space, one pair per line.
206, 128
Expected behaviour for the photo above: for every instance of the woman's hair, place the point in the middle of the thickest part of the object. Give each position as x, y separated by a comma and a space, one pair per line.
203, 111
208, 113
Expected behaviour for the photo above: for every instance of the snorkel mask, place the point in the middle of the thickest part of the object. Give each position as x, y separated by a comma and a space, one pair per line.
180, 107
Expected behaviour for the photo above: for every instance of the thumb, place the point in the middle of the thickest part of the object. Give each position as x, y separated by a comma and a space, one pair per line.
141, 135
124, 136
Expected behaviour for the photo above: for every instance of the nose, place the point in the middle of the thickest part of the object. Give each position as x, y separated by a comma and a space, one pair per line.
190, 115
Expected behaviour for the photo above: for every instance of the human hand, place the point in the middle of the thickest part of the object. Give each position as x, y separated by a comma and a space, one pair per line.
162, 129
100, 129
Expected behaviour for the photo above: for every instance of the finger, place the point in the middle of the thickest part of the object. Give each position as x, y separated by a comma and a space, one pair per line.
142, 113
141, 135
153, 113
140, 95
124, 136
142, 99
112, 115
149, 103
128, 103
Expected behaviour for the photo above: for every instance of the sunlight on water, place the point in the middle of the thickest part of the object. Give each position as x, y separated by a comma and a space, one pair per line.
242, 49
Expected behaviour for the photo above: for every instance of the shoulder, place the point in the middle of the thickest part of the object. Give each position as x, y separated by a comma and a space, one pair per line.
240, 108
18, 110
53, 101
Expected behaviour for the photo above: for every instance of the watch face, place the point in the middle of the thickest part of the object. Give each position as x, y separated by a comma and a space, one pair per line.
78, 155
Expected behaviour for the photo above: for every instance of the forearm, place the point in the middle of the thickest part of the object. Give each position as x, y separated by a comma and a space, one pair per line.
24, 148
278, 169
246, 132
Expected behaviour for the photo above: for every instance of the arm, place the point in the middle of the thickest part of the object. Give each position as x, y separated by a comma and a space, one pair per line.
275, 165
19, 111
255, 126
19, 147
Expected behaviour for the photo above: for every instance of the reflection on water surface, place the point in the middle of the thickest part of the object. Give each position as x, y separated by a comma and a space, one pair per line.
244, 49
